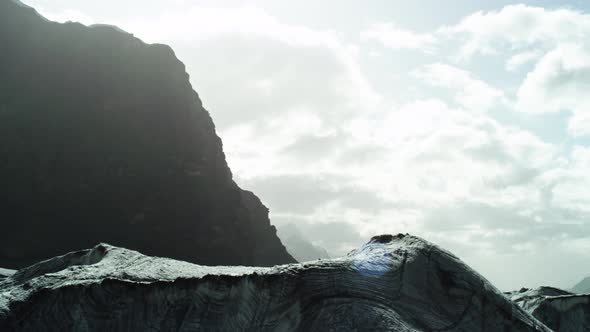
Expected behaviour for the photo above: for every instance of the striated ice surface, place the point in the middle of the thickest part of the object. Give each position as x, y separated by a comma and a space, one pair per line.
393, 283
560, 310
6, 273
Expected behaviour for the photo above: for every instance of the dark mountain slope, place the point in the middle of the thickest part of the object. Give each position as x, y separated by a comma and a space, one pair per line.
103, 139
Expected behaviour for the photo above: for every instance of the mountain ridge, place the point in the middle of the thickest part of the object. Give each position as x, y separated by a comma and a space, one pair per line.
103, 139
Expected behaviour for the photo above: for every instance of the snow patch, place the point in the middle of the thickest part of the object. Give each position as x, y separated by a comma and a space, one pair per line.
6, 272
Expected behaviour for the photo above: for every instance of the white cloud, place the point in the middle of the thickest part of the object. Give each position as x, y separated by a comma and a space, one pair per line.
581, 156
393, 37
520, 59
468, 91
66, 15
579, 123
271, 68
556, 39
560, 81
517, 27
571, 182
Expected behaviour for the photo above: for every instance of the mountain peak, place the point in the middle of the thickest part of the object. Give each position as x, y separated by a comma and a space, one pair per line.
104, 139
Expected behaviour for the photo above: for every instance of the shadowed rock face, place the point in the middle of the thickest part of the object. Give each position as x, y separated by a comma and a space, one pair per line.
394, 283
560, 310
102, 139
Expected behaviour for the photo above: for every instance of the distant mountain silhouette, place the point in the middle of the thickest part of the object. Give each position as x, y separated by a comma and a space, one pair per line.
298, 246
102, 138
583, 287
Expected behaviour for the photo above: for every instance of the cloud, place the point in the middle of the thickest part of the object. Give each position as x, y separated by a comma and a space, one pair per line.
556, 39
560, 81
468, 91
571, 183
518, 60
66, 15
314, 146
271, 68
304, 193
517, 27
392, 37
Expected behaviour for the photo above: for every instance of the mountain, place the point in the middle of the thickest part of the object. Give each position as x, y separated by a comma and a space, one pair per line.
102, 139
560, 310
583, 287
393, 283
298, 246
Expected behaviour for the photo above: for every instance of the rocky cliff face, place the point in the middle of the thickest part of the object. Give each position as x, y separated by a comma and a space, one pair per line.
102, 139
560, 310
393, 283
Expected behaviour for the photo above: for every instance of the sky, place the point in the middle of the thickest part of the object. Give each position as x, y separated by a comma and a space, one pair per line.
468, 125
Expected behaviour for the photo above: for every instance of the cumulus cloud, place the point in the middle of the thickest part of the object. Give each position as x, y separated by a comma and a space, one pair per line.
393, 37
555, 40
517, 27
518, 60
271, 68
560, 81
571, 183
469, 92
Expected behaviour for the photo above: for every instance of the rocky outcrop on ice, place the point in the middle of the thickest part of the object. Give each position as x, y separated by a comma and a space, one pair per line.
102, 139
560, 310
393, 283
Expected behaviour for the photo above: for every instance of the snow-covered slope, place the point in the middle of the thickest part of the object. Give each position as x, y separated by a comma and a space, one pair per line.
6, 273
393, 283
558, 309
